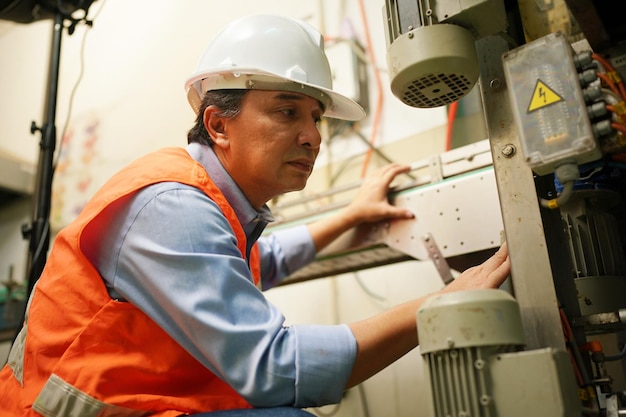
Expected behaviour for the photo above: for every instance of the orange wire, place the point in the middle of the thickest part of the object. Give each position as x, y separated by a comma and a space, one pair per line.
569, 337
619, 126
608, 67
450, 127
379, 85
613, 110
605, 78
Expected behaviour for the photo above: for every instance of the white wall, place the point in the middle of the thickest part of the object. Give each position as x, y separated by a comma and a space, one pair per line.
131, 100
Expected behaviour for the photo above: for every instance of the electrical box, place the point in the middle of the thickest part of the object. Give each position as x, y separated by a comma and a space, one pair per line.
548, 105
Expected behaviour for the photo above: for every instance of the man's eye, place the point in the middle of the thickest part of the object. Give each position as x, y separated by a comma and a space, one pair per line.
288, 112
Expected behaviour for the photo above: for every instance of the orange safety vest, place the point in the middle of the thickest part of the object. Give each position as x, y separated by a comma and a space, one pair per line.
82, 353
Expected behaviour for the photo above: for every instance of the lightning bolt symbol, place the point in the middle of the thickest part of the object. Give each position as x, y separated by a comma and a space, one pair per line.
542, 94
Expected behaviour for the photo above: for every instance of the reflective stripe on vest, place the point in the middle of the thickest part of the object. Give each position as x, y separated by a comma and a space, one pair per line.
60, 399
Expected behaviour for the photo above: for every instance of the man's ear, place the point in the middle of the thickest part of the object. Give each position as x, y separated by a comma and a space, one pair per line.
215, 125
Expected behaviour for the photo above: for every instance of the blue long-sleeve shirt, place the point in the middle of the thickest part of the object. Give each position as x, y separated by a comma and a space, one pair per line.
170, 251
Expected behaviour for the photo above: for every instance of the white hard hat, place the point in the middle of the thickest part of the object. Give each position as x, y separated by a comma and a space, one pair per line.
270, 53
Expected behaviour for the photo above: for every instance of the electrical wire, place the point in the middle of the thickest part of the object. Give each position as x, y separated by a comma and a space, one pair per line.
379, 152
379, 89
452, 108
366, 289
610, 96
81, 73
363, 397
609, 68
580, 371
617, 114
564, 196
579, 368
619, 126
606, 80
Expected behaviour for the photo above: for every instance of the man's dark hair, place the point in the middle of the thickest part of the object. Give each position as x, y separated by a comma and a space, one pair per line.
229, 104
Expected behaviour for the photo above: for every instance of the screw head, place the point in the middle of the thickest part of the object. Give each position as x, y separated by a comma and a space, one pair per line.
508, 150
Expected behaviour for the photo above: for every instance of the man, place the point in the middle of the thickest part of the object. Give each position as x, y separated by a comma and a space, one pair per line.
150, 303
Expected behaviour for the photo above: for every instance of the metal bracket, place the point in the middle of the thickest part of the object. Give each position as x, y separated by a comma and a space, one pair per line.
435, 169
437, 257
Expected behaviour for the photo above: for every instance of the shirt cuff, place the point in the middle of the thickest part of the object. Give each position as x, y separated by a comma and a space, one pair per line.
325, 356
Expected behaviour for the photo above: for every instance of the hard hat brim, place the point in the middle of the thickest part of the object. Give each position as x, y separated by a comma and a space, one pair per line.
336, 105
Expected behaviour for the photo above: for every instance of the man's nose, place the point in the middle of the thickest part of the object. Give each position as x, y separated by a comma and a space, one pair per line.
310, 135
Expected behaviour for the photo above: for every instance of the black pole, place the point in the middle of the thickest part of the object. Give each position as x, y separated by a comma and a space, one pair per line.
39, 230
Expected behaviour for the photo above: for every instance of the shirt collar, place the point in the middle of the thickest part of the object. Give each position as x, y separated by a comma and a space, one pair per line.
248, 216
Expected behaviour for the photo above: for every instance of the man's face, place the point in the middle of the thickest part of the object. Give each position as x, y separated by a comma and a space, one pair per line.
270, 147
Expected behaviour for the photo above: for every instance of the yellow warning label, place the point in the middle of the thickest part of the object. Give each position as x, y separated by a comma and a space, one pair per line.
542, 96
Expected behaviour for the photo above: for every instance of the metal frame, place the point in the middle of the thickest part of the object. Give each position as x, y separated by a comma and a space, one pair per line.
524, 223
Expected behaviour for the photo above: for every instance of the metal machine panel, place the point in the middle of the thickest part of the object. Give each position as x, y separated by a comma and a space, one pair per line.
462, 213
538, 383
456, 208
